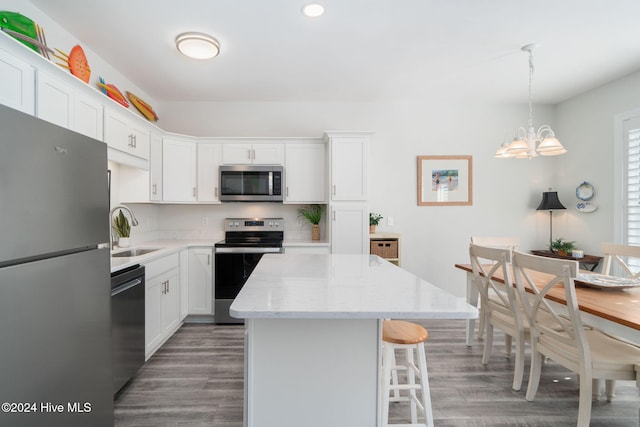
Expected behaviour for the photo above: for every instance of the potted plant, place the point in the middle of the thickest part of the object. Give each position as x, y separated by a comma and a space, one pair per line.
313, 214
562, 247
374, 220
123, 229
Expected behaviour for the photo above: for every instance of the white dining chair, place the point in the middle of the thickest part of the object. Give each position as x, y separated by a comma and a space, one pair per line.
504, 242
616, 260
591, 354
501, 308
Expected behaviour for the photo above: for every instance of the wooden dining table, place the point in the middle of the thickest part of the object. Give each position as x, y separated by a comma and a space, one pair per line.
616, 311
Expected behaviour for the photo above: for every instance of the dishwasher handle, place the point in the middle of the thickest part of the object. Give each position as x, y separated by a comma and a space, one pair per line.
125, 286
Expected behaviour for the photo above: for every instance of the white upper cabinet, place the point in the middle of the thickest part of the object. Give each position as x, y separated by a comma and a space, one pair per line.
17, 83
349, 167
209, 156
126, 134
89, 117
256, 154
349, 228
155, 167
55, 100
60, 103
179, 180
305, 173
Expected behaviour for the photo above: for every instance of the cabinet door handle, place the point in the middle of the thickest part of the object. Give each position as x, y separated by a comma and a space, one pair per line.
154, 190
287, 191
167, 286
135, 141
249, 153
130, 140
334, 189
215, 191
194, 191
253, 154
208, 259
333, 214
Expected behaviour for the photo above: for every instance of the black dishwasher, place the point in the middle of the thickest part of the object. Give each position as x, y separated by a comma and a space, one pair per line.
127, 324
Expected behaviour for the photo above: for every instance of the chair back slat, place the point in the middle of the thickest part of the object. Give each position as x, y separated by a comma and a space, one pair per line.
504, 242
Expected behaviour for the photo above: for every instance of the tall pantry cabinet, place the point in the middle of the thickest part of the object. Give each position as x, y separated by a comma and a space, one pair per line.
348, 206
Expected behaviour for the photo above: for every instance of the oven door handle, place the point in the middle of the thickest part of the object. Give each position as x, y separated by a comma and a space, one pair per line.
248, 250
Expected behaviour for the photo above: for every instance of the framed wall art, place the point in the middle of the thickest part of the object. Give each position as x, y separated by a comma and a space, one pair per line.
445, 180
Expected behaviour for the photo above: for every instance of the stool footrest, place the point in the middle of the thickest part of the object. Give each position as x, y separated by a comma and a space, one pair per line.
417, 386
406, 425
409, 399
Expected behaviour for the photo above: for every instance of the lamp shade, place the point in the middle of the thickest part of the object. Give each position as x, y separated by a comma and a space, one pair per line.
550, 201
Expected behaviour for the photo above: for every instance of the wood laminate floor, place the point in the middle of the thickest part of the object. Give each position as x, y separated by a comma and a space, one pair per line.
196, 379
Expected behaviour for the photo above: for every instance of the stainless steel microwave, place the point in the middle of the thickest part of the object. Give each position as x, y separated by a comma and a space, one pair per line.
251, 183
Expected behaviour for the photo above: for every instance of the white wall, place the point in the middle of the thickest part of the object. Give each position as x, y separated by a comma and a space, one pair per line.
586, 125
505, 192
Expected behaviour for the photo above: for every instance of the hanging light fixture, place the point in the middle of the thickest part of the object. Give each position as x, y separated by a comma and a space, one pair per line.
528, 143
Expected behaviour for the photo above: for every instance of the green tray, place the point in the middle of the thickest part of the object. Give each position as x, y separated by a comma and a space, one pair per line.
21, 24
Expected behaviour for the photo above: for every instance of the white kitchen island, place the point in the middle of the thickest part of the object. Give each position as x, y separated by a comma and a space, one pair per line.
313, 328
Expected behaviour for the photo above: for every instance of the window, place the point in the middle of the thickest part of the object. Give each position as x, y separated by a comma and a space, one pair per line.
629, 212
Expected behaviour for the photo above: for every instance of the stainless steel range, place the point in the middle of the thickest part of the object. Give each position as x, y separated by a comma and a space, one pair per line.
246, 240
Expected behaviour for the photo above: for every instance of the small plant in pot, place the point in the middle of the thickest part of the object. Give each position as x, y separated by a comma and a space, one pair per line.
374, 220
562, 247
313, 214
123, 229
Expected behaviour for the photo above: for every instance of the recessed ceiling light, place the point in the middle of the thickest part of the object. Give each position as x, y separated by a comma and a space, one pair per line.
313, 10
197, 45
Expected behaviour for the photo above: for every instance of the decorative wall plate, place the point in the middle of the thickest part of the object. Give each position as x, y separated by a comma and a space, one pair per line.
585, 191
586, 207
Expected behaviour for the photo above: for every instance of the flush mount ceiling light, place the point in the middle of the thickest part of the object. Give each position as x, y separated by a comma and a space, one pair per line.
313, 10
197, 45
528, 143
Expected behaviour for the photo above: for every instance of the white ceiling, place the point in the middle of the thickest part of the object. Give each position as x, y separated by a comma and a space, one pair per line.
361, 50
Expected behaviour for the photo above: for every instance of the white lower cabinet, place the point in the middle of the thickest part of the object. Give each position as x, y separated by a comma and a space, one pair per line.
200, 281
162, 302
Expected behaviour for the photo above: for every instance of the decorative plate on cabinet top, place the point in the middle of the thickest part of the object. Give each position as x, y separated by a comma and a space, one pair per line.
584, 191
586, 207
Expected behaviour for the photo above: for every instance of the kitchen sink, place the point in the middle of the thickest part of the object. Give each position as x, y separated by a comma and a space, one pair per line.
133, 252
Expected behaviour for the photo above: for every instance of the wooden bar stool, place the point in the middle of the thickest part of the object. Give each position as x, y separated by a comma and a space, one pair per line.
407, 336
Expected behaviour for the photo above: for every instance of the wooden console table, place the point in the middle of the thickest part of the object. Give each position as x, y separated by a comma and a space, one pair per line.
590, 261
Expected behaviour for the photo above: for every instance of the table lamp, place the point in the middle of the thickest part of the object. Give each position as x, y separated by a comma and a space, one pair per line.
550, 203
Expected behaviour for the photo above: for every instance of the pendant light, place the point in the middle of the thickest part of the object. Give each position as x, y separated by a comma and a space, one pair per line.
528, 142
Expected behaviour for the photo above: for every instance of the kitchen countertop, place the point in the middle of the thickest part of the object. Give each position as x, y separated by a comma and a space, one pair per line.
342, 287
167, 247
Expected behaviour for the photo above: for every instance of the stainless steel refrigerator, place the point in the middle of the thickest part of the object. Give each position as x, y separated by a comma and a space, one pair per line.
55, 331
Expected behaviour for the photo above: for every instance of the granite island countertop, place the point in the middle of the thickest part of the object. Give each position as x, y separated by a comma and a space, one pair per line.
313, 286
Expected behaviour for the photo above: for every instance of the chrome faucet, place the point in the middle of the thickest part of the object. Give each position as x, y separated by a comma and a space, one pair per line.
134, 221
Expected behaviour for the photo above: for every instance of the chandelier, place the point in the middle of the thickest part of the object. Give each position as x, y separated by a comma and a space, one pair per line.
528, 143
